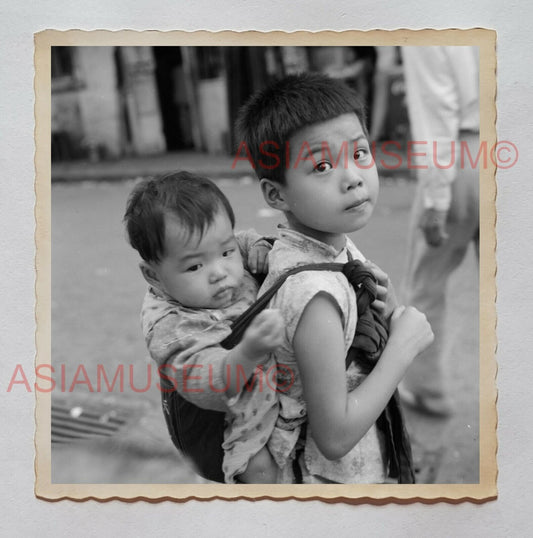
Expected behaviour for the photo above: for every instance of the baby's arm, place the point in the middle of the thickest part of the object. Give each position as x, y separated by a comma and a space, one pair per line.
190, 358
339, 419
199, 368
254, 250
262, 336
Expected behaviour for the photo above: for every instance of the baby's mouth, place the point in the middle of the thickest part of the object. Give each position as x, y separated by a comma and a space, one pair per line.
356, 205
224, 293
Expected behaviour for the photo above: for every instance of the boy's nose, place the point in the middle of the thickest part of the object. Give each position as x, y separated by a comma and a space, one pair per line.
352, 178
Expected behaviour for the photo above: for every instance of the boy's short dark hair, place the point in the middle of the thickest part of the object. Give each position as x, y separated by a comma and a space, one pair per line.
194, 200
276, 113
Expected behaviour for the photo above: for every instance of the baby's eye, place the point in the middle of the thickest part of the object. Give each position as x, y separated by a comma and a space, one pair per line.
228, 252
193, 268
323, 166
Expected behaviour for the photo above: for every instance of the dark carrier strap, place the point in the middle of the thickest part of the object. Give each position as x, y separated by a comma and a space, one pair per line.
199, 433
370, 339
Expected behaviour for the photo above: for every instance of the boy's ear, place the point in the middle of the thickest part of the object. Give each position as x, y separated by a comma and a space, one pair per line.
149, 274
273, 193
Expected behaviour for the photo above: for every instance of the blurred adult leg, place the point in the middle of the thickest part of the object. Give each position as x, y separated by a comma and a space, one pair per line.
426, 283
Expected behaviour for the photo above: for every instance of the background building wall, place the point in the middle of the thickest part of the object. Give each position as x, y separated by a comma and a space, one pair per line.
99, 104
111, 102
141, 105
214, 115
105, 104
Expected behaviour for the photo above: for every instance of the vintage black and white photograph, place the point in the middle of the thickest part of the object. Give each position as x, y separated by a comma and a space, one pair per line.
260, 263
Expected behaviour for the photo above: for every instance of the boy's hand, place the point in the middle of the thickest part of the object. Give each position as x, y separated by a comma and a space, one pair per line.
386, 300
258, 257
264, 334
410, 331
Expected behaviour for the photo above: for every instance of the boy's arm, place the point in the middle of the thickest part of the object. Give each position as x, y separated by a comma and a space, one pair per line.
339, 419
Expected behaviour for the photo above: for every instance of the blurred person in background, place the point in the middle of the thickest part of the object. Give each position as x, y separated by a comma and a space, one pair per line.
442, 85
388, 66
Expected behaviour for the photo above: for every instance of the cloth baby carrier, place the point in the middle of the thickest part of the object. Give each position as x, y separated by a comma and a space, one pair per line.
198, 433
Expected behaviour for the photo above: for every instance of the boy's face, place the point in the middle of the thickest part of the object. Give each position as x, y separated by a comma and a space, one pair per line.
200, 271
331, 183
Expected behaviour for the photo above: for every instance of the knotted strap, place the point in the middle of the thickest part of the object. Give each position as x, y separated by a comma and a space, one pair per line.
371, 332
363, 282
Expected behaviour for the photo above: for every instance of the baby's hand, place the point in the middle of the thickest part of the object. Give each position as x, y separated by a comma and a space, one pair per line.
386, 300
410, 331
258, 257
264, 333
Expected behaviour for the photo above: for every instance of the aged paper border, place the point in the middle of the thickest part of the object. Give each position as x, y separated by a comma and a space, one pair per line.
351, 493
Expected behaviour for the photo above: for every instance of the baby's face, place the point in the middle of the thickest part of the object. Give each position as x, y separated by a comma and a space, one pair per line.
201, 271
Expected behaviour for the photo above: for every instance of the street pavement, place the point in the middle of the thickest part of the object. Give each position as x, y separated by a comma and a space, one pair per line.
97, 292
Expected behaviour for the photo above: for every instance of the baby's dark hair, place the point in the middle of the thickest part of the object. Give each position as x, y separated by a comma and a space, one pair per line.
194, 200
274, 114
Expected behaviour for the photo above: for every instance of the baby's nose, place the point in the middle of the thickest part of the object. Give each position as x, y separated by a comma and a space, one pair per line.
217, 273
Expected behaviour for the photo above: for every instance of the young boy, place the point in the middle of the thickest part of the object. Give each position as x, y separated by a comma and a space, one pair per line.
182, 226
307, 138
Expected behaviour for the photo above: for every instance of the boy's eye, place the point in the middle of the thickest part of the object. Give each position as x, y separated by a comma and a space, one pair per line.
228, 252
193, 268
323, 166
361, 154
